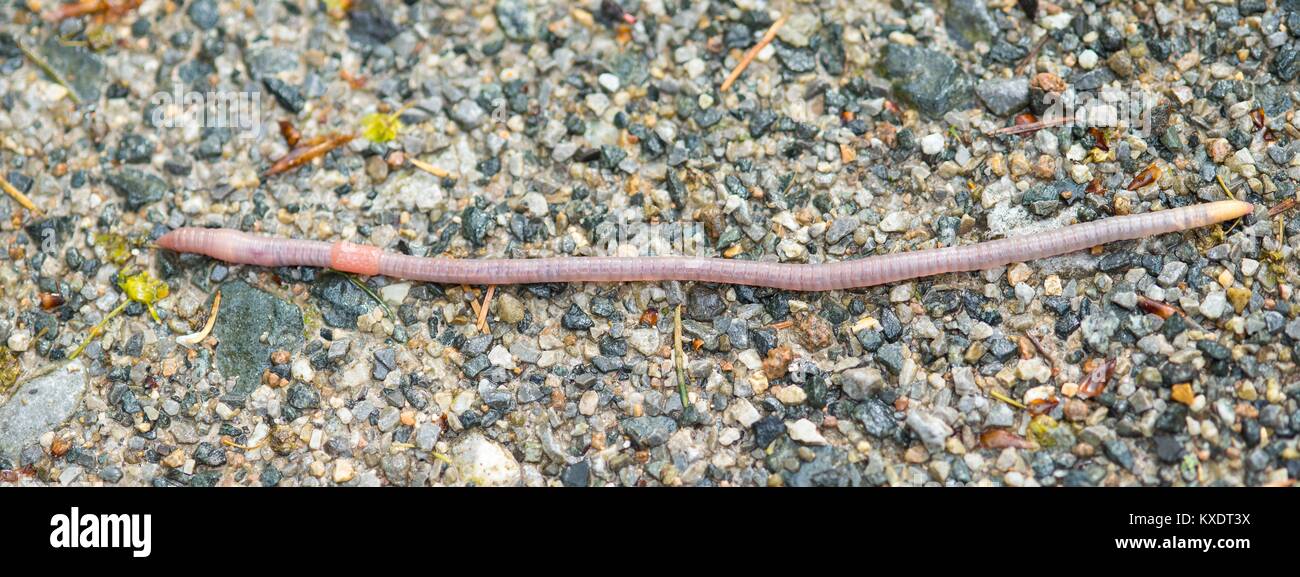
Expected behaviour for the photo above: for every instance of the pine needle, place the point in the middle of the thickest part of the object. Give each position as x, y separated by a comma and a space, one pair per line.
196, 338
50, 71
372, 294
1224, 186
1228, 192
98, 329
1007, 400
429, 168
752, 52
19, 197
229, 442
679, 355
483, 309
1032, 126
473, 304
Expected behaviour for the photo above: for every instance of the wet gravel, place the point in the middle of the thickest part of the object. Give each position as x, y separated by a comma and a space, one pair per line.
598, 128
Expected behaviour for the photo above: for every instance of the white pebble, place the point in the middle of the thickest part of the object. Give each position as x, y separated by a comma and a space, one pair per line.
597, 102
301, 370
901, 293
1056, 21
792, 395
1249, 267
805, 432
608, 82
344, 471
896, 222
20, 340
500, 357
226, 412
742, 412
587, 403
536, 203
695, 67
932, 143
728, 436
1033, 369
394, 294
1088, 59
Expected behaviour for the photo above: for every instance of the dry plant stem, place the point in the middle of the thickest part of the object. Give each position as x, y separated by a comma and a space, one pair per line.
679, 356
99, 328
1033, 54
483, 309
1033, 126
752, 52
50, 71
196, 338
429, 168
244, 248
307, 152
19, 197
1282, 207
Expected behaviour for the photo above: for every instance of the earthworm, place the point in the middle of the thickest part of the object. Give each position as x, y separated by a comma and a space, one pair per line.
239, 247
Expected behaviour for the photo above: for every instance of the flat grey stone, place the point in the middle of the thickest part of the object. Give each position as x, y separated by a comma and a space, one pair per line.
40, 405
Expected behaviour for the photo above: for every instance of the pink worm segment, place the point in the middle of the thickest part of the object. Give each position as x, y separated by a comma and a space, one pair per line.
244, 248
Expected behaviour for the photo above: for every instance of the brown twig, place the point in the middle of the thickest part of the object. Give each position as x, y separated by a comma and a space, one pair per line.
483, 309
311, 150
1033, 53
752, 52
473, 304
229, 442
1038, 346
1033, 126
1282, 207
92, 7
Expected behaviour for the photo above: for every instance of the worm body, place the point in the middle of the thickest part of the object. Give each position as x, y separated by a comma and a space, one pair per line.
244, 248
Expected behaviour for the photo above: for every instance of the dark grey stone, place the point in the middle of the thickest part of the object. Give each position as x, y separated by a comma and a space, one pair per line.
1004, 96
246, 314
137, 186
340, 301
649, 432
929, 80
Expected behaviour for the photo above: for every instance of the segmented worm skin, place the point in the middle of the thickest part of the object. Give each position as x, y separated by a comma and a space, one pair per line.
244, 248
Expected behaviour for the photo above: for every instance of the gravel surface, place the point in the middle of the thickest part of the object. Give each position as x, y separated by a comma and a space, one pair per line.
523, 128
